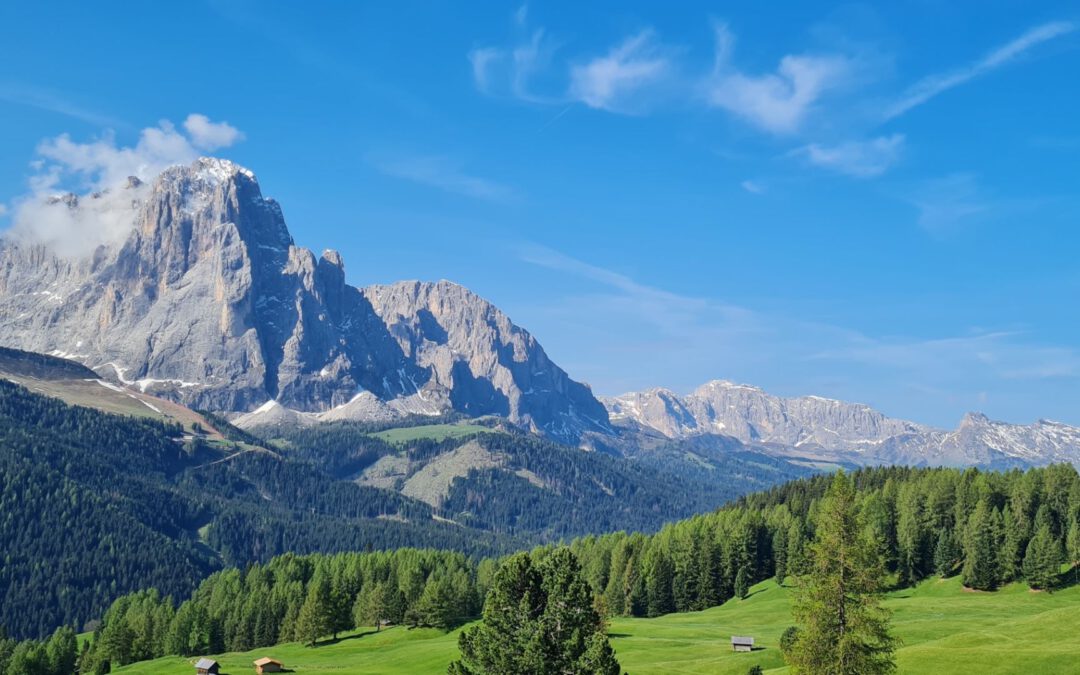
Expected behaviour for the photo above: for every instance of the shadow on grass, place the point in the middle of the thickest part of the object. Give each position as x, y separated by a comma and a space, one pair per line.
619, 635
334, 641
1067, 579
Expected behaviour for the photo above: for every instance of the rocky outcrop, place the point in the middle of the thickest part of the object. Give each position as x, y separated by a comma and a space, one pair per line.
210, 302
821, 428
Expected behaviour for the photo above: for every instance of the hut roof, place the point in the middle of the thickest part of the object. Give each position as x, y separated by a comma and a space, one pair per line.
205, 663
266, 660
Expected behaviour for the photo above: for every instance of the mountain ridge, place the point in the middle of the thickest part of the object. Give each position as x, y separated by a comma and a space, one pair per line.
210, 302
823, 428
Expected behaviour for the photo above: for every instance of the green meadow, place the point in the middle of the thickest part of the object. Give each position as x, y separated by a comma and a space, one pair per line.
436, 432
945, 629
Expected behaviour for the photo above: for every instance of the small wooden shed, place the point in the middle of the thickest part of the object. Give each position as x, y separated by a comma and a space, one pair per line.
268, 665
207, 667
742, 644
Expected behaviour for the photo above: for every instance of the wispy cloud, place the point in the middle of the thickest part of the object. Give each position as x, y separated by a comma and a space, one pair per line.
46, 99
862, 159
948, 203
528, 71
775, 102
101, 167
442, 173
929, 87
606, 82
499, 71
626, 334
753, 187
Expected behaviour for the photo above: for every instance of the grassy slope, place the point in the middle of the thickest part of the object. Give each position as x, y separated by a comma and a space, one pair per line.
944, 628
437, 432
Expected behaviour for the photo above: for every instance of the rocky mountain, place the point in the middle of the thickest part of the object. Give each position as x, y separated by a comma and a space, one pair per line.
826, 429
210, 303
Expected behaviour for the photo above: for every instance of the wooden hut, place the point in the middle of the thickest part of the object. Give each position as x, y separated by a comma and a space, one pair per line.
207, 667
269, 665
742, 644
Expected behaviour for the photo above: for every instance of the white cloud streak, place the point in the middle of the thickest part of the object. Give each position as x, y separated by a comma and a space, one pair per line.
444, 174
666, 338
775, 102
51, 101
606, 82
929, 87
98, 170
948, 203
753, 187
862, 159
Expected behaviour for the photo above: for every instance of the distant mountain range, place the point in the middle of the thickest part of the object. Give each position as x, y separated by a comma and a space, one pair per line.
209, 303
819, 428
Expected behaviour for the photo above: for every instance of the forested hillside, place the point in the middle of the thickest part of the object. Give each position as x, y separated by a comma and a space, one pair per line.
985, 528
520, 484
97, 505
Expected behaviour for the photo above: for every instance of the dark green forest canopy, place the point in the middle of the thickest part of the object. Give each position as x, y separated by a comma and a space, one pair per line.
97, 505
688, 565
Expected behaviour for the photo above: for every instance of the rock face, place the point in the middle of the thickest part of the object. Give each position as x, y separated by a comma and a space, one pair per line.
209, 302
815, 427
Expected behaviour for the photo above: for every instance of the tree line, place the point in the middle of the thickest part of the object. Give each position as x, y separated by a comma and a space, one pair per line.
988, 527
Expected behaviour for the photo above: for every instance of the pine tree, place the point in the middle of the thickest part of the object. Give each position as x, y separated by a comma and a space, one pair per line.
658, 584
796, 549
1012, 551
742, 584
1042, 562
62, 651
779, 545
537, 619
944, 553
1072, 548
844, 629
369, 608
981, 566
314, 619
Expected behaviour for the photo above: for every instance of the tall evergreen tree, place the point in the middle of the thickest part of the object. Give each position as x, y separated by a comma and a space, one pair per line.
844, 629
779, 545
314, 619
537, 619
1042, 562
981, 566
742, 584
1072, 548
658, 584
944, 553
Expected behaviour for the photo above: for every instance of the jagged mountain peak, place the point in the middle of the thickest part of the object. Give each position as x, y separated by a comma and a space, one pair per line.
210, 302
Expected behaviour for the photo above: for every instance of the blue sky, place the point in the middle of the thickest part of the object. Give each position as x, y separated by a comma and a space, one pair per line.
870, 202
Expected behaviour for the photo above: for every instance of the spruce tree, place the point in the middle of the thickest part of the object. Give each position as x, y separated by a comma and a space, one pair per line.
844, 630
981, 566
537, 619
315, 615
779, 544
658, 584
1072, 548
1042, 562
1012, 551
944, 553
742, 584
